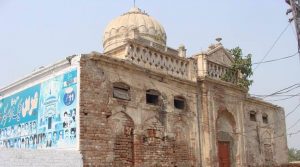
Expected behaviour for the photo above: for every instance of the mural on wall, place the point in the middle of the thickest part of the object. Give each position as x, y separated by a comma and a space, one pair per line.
42, 116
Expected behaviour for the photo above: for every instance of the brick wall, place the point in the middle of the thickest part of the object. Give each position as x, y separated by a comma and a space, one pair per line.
32, 158
131, 133
95, 132
291, 165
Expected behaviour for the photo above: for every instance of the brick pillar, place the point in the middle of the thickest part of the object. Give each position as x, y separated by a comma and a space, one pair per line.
137, 148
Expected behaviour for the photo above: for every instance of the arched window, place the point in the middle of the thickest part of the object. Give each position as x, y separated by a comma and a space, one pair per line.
121, 91
152, 97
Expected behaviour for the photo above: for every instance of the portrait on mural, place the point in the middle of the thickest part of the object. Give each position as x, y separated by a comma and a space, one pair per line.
42, 116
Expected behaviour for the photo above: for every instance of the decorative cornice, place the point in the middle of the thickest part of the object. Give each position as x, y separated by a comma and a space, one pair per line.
130, 65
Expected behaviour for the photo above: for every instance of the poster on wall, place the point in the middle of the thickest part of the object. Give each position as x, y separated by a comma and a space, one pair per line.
42, 116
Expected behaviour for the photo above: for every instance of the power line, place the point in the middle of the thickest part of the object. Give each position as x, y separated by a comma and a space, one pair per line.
273, 45
286, 91
281, 91
294, 124
287, 97
294, 133
292, 111
269, 61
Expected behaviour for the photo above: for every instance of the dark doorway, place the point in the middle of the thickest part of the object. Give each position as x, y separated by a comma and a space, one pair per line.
224, 154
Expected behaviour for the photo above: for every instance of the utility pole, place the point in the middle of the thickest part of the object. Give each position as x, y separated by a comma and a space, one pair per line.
295, 10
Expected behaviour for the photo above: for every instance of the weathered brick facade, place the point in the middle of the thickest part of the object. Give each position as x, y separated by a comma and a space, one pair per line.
130, 132
143, 104
118, 132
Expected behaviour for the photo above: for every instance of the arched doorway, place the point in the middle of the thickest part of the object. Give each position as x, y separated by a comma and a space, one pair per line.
225, 138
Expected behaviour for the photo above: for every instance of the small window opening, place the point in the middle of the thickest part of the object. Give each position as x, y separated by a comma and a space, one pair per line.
121, 91
252, 115
265, 118
179, 103
152, 97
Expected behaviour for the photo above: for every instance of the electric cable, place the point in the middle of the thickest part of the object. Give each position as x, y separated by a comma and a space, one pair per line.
283, 58
281, 91
294, 124
286, 98
294, 133
272, 46
292, 111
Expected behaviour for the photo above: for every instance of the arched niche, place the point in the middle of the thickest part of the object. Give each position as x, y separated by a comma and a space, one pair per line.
122, 126
267, 137
267, 148
226, 137
152, 128
181, 131
225, 122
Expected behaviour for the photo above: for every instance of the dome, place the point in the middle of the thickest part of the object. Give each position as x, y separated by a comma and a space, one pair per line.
137, 21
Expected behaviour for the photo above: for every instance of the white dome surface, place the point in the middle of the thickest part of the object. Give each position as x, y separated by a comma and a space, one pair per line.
148, 28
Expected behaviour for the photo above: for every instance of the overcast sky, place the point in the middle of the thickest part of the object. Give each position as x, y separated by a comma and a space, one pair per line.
36, 33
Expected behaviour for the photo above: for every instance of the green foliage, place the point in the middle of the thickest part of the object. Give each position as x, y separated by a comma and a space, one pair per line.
241, 66
294, 154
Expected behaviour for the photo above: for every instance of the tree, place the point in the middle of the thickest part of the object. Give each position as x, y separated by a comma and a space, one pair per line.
240, 66
294, 154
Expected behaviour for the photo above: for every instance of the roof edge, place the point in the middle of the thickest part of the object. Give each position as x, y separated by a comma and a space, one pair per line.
68, 61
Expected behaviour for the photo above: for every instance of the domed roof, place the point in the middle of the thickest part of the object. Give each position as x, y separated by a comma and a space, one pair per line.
147, 27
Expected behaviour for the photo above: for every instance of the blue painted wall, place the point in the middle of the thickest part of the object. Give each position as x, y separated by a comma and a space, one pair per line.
42, 116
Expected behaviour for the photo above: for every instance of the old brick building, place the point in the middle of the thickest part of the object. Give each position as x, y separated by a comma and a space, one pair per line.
139, 103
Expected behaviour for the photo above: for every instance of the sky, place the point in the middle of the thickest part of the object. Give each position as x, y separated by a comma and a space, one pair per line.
36, 33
